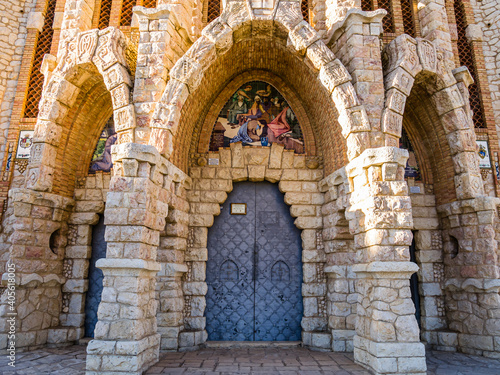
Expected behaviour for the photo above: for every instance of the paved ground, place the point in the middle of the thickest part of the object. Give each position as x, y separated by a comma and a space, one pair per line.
71, 361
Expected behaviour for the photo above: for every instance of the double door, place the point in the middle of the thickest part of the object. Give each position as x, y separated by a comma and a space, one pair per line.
254, 270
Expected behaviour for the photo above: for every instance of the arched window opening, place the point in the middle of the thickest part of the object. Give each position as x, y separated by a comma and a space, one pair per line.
408, 17
104, 14
304, 7
467, 58
257, 115
367, 5
213, 10
43, 46
126, 12
388, 20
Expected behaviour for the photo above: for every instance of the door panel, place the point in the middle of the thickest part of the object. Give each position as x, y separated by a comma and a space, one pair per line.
230, 295
278, 298
93, 297
254, 272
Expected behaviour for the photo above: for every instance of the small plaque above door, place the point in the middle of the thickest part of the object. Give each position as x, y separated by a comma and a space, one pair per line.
238, 208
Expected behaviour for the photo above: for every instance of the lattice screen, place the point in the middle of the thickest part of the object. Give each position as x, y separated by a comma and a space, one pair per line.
104, 14
366, 5
467, 58
43, 45
388, 20
126, 13
408, 17
213, 10
304, 6
149, 3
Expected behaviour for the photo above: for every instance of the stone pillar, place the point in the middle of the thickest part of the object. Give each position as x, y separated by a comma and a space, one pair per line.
470, 233
36, 226
340, 257
387, 335
355, 40
434, 23
126, 338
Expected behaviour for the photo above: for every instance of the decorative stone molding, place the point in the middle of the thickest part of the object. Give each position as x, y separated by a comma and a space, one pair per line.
100, 51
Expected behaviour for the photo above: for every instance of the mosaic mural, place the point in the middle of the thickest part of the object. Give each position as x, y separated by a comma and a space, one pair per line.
101, 160
257, 115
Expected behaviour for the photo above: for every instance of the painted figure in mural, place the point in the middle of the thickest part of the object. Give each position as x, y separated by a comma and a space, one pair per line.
254, 113
251, 131
105, 164
237, 108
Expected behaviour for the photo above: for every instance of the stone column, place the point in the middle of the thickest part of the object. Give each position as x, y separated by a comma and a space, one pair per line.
434, 23
470, 233
126, 338
355, 40
35, 226
387, 335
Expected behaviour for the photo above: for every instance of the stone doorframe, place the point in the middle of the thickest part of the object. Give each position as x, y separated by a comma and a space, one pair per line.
299, 180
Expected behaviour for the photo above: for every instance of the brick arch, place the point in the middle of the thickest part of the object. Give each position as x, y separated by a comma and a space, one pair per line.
92, 72
237, 26
409, 61
202, 140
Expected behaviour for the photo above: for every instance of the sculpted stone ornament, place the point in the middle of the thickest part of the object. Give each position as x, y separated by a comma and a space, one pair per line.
187, 71
302, 36
396, 101
110, 49
319, 54
407, 58
175, 93
333, 74
289, 14
427, 54
66, 56
236, 13
392, 123
345, 96
203, 51
116, 75
120, 95
124, 118
354, 120
87, 43
219, 33
400, 79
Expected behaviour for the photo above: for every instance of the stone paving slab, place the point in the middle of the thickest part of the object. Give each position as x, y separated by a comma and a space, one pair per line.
255, 361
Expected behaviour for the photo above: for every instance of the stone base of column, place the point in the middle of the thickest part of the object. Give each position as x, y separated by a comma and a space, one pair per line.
122, 357
396, 358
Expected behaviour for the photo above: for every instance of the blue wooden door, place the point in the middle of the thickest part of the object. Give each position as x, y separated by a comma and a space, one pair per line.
94, 292
254, 270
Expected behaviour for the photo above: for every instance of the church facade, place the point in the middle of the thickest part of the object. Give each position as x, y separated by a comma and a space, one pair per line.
182, 171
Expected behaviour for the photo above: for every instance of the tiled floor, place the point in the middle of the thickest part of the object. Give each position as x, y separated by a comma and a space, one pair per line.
276, 361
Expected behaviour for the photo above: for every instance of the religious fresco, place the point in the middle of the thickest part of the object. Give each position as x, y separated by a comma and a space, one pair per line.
411, 170
101, 160
257, 115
